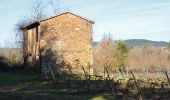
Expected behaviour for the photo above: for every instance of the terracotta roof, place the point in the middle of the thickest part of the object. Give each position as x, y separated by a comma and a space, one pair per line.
91, 21
37, 22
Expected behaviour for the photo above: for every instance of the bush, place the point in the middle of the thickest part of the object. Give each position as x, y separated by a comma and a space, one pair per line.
11, 57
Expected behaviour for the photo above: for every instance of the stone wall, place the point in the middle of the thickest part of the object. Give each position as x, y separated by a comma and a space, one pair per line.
67, 38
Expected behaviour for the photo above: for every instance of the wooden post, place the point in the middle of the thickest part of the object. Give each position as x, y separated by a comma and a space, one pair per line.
137, 86
108, 76
123, 73
86, 76
167, 77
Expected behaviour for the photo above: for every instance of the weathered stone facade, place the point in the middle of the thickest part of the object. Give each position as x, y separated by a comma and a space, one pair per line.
65, 38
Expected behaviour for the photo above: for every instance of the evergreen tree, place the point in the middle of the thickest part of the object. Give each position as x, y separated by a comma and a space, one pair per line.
121, 52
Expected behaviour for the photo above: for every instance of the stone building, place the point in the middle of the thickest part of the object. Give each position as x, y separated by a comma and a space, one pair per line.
60, 39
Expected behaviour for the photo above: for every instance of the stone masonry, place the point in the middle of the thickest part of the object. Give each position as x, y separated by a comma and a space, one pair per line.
64, 38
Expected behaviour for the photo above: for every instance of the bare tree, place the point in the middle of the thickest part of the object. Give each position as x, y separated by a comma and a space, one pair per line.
37, 14
19, 33
102, 53
11, 50
150, 58
40, 7
38, 10
55, 4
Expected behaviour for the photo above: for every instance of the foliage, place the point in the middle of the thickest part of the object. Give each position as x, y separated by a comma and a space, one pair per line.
120, 53
169, 46
117, 54
110, 53
169, 51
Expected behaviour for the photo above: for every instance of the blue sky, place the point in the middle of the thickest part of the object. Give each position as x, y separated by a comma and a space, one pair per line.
124, 19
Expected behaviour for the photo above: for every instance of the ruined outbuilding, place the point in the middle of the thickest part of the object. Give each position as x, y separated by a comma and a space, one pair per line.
64, 38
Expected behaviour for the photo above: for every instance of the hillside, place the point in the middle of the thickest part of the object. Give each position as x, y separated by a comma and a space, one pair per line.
141, 42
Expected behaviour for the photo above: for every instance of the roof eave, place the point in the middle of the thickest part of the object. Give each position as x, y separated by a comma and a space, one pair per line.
32, 25
91, 21
37, 23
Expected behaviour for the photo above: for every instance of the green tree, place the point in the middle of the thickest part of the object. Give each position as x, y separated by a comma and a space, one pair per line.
169, 50
169, 46
121, 52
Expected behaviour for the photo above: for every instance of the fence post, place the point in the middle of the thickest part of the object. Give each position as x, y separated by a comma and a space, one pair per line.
158, 74
137, 86
123, 73
167, 77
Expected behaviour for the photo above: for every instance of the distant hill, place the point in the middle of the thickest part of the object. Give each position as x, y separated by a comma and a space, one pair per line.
95, 44
141, 42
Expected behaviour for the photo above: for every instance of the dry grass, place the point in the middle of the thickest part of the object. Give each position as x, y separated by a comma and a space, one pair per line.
11, 56
150, 57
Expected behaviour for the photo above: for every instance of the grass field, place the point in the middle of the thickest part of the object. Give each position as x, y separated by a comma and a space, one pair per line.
14, 78
28, 86
20, 85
